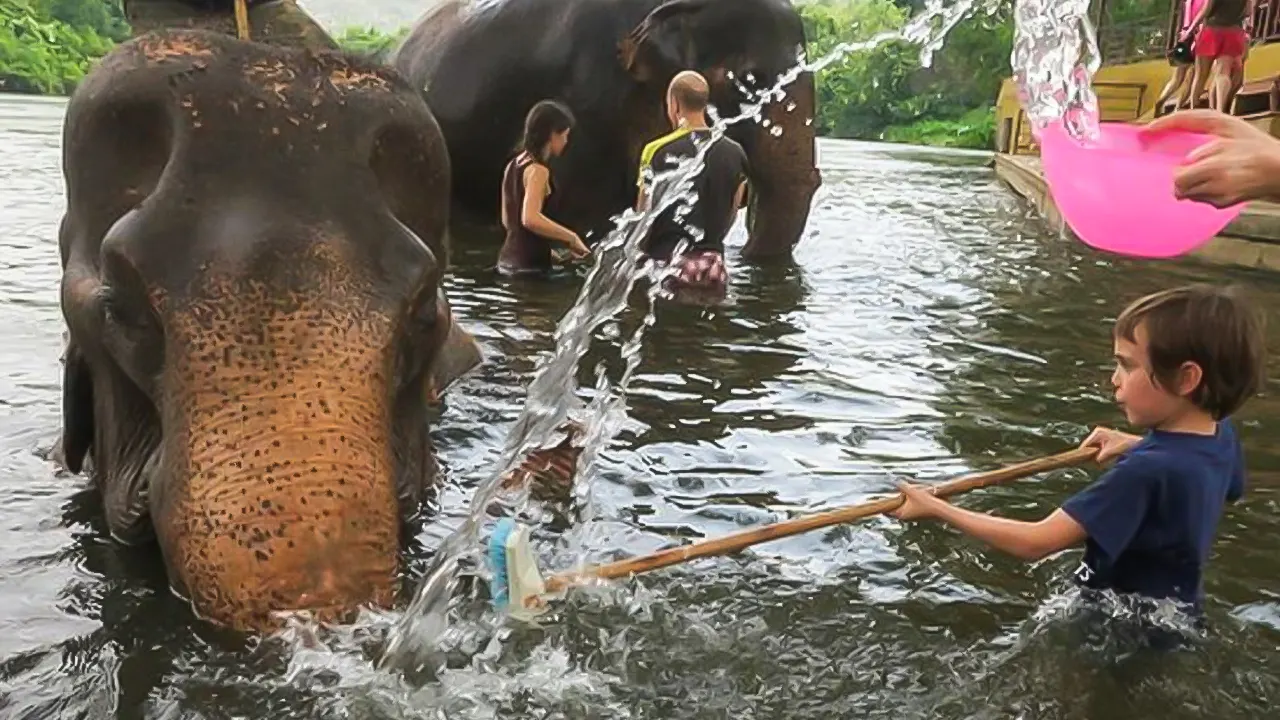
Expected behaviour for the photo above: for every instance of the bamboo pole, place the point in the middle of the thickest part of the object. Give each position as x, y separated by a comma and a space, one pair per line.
242, 19
740, 540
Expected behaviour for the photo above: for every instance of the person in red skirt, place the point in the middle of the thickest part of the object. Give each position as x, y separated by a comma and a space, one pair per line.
1221, 44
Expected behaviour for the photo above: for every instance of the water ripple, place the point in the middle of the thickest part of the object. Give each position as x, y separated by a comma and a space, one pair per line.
929, 326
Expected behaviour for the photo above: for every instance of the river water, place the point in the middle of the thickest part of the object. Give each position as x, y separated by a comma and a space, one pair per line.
929, 326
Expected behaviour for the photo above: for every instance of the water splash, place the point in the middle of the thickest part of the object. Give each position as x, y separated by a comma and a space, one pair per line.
1055, 55
1053, 83
552, 400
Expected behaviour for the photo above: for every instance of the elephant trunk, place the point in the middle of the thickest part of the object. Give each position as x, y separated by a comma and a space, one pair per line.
784, 174
278, 488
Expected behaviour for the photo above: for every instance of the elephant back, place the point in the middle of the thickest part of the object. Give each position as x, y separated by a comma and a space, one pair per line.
276, 22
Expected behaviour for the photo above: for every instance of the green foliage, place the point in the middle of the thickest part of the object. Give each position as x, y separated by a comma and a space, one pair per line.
883, 85
877, 90
40, 53
105, 17
47, 46
865, 90
974, 129
370, 41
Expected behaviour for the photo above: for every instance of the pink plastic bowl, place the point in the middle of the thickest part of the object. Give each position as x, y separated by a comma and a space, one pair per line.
1116, 191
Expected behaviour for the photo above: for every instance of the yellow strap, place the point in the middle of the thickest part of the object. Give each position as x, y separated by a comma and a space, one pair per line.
242, 19
646, 157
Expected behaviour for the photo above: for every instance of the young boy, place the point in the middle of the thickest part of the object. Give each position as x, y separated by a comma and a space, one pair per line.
1186, 359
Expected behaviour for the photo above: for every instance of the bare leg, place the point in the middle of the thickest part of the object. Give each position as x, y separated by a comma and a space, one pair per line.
1184, 95
1223, 65
1175, 83
1200, 79
1237, 82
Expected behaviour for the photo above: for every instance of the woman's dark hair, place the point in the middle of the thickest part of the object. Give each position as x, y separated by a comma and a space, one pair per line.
544, 120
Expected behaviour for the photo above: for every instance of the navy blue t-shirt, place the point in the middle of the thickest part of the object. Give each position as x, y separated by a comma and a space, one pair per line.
1151, 518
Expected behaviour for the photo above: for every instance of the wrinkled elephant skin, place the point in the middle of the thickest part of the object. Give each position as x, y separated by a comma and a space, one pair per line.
252, 255
610, 61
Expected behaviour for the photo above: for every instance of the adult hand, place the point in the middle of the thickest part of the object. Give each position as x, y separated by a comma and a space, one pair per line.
1242, 164
578, 249
920, 502
1110, 443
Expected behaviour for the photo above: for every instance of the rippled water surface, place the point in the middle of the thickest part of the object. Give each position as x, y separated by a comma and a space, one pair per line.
929, 326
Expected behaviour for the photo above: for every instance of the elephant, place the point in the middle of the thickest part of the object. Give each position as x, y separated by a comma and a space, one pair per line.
252, 253
483, 66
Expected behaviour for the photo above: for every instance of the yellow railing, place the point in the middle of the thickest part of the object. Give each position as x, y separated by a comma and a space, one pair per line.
1117, 102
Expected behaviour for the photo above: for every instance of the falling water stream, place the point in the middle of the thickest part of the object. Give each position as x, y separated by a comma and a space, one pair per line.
1054, 83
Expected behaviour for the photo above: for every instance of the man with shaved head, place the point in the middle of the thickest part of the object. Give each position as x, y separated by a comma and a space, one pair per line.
720, 187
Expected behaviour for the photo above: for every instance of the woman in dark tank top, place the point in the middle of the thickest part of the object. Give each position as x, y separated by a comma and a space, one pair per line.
526, 183
1221, 44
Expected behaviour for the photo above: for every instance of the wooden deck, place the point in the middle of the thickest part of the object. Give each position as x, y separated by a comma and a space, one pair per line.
1252, 240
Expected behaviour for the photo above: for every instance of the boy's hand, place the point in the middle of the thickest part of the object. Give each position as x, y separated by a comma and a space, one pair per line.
1110, 443
920, 502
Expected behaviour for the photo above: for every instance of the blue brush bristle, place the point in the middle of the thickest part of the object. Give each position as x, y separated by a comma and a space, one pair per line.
498, 561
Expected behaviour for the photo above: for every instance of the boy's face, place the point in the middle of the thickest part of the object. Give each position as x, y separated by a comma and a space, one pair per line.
1145, 403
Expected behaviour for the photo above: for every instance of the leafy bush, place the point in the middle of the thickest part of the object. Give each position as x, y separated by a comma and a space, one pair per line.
42, 54
880, 92
370, 41
47, 46
974, 129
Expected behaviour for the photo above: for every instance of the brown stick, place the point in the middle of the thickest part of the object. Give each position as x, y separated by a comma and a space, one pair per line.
242, 19
740, 540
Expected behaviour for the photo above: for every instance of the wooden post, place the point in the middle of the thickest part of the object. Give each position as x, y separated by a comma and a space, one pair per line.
242, 19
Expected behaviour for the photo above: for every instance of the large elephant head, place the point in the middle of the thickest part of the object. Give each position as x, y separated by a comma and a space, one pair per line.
756, 41
252, 253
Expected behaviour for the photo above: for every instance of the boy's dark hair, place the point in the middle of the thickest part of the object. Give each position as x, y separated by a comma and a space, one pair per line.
545, 118
1212, 327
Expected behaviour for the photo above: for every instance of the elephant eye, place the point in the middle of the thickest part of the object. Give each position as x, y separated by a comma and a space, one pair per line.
122, 311
424, 307
417, 332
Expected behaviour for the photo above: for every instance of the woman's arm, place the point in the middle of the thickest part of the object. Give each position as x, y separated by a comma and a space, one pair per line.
535, 193
1199, 18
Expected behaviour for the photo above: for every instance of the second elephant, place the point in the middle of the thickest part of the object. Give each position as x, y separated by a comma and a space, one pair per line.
482, 68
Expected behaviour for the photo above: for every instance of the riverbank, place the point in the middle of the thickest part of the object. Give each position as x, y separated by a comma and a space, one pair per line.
880, 94
1252, 240
973, 130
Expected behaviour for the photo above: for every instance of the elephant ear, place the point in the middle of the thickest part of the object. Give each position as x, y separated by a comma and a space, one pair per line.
77, 408
660, 39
